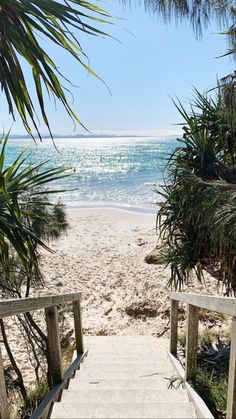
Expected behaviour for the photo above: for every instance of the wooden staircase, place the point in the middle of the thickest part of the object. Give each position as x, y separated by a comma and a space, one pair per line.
124, 377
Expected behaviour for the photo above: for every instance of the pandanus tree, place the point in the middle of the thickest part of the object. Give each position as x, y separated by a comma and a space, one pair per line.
24, 26
27, 217
199, 13
198, 214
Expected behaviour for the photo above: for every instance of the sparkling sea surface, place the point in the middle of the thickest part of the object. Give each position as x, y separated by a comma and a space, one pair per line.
112, 172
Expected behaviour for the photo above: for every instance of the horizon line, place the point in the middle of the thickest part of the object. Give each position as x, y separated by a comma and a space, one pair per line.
144, 133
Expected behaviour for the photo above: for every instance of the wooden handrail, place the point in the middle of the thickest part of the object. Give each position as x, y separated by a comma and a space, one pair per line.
222, 305
49, 304
25, 305
44, 408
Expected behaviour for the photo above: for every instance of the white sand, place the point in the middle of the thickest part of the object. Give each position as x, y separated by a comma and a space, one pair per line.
103, 257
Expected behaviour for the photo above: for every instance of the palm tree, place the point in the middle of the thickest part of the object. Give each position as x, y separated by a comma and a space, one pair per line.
21, 188
200, 13
197, 217
27, 217
23, 23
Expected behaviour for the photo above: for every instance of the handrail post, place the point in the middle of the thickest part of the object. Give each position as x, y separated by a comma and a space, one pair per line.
231, 398
191, 342
3, 393
78, 327
174, 327
54, 347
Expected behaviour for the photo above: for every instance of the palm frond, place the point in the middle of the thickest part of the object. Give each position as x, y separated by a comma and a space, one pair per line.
197, 218
18, 183
21, 24
199, 13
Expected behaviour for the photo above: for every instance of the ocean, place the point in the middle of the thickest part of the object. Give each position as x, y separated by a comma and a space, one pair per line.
112, 172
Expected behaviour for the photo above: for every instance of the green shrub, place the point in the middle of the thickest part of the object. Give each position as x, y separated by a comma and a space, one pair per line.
213, 391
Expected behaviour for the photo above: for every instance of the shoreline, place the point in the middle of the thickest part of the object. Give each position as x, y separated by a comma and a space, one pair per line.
125, 208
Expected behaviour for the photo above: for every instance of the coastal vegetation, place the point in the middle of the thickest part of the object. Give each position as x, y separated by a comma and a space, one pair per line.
24, 27
200, 14
197, 217
28, 219
213, 365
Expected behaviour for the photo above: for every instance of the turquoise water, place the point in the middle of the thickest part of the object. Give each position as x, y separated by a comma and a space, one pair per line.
105, 171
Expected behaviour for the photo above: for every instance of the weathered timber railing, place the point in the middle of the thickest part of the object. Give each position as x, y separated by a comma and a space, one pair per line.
222, 305
49, 304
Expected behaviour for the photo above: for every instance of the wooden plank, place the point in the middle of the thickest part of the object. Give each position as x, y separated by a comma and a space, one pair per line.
25, 305
231, 399
201, 408
54, 347
224, 305
78, 327
191, 342
3, 394
174, 327
43, 409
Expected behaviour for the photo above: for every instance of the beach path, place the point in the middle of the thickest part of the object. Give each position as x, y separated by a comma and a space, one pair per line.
124, 377
103, 255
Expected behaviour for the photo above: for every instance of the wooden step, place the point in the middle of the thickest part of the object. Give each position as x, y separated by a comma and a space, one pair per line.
140, 368
119, 374
94, 395
127, 410
122, 384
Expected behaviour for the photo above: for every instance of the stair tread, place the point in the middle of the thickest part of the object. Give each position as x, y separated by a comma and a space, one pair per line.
120, 395
97, 374
106, 358
122, 365
126, 343
76, 409
145, 383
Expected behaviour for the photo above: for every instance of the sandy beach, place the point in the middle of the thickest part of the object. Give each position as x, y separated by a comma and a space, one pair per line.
102, 255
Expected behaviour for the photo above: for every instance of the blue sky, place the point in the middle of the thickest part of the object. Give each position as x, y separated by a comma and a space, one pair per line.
152, 62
